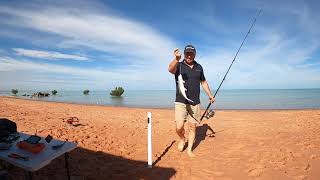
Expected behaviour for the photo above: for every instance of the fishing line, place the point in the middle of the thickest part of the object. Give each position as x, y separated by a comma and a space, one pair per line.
254, 21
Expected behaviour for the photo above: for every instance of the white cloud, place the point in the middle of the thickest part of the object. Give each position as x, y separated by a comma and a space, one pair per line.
291, 13
29, 71
308, 65
268, 62
48, 54
104, 32
272, 57
145, 52
10, 64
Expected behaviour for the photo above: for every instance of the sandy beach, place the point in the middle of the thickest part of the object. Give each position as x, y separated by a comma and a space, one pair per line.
112, 142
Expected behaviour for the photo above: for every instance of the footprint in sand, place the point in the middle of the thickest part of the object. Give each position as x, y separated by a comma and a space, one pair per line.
256, 171
218, 173
308, 167
315, 156
302, 177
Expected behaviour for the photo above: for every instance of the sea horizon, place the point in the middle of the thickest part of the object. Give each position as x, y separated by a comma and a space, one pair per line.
228, 99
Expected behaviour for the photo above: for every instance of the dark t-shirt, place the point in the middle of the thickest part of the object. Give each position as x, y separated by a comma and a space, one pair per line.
192, 78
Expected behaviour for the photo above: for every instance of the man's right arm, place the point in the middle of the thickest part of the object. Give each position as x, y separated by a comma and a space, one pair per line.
174, 63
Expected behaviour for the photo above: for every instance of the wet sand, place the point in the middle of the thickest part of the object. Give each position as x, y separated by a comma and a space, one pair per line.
112, 142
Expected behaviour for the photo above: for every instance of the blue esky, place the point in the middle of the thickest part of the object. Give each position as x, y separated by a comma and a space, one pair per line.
76, 45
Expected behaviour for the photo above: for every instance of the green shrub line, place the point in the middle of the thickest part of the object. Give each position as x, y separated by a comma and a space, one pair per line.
86, 92
117, 92
54, 92
14, 91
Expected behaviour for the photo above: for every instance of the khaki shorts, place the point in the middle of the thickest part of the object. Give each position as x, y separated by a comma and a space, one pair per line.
188, 112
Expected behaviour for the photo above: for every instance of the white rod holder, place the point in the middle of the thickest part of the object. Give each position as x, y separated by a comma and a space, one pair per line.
149, 140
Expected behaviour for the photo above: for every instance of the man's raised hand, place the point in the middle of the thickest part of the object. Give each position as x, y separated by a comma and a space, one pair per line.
177, 54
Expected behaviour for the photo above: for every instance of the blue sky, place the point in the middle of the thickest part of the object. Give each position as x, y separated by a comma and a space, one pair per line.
102, 44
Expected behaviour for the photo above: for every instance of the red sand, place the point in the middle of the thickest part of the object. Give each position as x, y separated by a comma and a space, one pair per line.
277, 144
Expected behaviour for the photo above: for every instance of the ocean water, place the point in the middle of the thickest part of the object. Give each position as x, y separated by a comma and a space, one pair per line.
226, 99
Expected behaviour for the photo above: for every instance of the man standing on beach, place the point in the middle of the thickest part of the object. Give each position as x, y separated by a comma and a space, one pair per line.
192, 74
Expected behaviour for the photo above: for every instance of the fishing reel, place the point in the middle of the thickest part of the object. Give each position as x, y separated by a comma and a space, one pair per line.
210, 114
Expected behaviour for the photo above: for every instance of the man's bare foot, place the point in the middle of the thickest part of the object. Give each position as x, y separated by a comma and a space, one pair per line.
181, 144
190, 154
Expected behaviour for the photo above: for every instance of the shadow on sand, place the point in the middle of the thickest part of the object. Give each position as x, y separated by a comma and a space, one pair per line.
201, 134
164, 153
85, 164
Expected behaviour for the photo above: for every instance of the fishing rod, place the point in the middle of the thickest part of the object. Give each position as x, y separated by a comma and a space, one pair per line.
211, 113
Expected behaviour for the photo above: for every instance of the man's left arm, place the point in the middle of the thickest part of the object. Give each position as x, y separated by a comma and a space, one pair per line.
206, 88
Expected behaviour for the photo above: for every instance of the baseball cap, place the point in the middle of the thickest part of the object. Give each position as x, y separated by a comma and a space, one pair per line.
190, 48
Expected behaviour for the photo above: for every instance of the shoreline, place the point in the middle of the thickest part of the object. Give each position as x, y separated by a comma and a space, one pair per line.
155, 108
